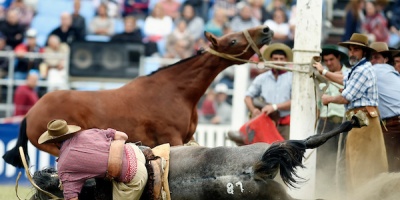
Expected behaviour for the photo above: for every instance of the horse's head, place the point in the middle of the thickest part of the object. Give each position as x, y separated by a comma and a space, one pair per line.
48, 180
241, 45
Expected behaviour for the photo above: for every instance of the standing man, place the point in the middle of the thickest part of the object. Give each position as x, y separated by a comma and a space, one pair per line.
330, 117
365, 148
275, 86
388, 81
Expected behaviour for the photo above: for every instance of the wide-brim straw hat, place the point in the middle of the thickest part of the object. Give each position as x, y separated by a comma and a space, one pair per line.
278, 46
357, 39
58, 130
335, 49
382, 47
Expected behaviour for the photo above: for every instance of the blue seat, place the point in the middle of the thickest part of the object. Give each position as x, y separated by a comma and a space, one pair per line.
87, 11
119, 26
54, 8
44, 25
140, 25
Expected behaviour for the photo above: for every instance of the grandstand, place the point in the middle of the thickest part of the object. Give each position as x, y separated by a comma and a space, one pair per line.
47, 17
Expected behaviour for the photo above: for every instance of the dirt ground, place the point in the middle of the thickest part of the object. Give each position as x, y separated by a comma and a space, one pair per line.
8, 192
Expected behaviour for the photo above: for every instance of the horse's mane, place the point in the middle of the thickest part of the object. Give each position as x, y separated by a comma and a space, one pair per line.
172, 65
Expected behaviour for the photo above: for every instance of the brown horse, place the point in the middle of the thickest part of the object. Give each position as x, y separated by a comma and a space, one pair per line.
154, 109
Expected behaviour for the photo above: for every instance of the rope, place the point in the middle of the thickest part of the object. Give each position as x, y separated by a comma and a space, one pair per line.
306, 51
28, 174
274, 66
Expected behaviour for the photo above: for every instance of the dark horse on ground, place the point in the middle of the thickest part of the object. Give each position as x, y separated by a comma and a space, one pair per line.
154, 109
201, 173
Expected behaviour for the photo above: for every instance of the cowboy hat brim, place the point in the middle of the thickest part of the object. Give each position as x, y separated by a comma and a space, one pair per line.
46, 138
278, 46
347, 44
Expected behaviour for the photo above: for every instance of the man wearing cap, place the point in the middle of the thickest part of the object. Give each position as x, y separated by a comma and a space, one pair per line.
365, 148
388, 81
86, 154
275, 86
331, 116
24, 65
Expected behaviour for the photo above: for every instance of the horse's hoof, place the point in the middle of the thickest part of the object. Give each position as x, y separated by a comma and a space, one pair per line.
236, 137
192, 143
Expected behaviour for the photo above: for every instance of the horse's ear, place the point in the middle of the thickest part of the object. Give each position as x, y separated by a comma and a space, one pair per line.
210, 37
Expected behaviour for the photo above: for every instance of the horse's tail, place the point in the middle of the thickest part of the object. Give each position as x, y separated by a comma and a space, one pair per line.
12, 156
286, 156
283, 157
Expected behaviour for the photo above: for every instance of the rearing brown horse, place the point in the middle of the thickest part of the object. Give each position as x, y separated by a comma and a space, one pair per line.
154, 109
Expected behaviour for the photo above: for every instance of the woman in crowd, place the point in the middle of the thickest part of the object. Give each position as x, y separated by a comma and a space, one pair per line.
102, 24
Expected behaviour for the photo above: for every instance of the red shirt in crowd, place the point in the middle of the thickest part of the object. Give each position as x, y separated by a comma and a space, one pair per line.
24, 98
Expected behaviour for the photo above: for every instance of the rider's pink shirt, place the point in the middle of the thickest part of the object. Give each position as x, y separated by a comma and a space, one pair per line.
85, 156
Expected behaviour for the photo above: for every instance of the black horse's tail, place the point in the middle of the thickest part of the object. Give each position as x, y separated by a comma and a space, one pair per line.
283, 157
12, 156
288, 155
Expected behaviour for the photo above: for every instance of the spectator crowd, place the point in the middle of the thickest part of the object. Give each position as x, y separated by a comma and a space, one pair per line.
168, 28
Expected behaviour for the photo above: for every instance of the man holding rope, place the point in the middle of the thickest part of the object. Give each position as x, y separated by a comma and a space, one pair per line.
365, 148
330, 117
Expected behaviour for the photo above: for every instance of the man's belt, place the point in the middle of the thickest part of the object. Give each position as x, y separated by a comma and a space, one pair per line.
372, 111
114, 167
390, 121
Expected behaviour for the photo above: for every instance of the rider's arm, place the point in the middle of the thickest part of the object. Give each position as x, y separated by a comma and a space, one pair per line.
120, 135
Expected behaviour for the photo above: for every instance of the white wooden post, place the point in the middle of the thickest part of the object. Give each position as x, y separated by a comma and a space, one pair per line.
303, 116
242, 74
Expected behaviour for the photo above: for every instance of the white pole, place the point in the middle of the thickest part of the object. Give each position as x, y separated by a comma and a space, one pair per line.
242, 74
303, 116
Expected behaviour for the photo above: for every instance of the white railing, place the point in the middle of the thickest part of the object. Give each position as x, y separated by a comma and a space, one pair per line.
213, 135
10, 82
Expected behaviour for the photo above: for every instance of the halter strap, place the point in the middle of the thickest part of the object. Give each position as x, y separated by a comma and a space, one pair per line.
234, 56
